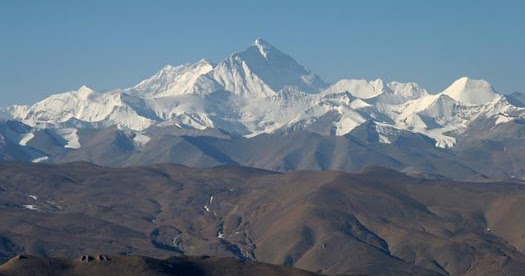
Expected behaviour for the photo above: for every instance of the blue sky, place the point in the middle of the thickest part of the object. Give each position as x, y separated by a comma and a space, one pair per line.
54, 46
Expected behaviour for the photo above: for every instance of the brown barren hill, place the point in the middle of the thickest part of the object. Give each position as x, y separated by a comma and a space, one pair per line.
135, 265
377, 222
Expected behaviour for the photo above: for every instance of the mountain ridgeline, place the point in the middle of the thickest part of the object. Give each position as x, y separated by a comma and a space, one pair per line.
261, 108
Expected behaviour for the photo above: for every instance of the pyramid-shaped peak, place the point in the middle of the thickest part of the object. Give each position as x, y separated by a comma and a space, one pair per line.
85, 87
263, 52
469, 82
264, 47
270, 66
471, 91
85, 90
262, 43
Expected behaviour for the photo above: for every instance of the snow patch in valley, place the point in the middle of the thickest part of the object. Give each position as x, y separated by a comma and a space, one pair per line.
208, 206
31, 207
141, 139
442, 140
347, 124
54, 204
26, 138
40, 159
384, 139
34, 197
71, 137
176, 240
386, 132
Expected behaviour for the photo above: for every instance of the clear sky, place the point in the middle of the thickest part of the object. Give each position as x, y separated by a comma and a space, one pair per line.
54, 46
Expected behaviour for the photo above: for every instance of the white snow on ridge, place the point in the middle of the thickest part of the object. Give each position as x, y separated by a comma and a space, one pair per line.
236, 76
263, 47
83, 105
172, 80
501, 119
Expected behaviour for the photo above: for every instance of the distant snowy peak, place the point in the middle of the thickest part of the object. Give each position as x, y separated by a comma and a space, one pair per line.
516, 99
469, 91
83, 106
362, 89
66, 102
84, 92
398, 93
259, 71
172, 80
390, 93
264, 47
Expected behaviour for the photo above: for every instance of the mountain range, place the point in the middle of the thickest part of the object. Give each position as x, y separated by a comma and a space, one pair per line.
200, 114
259, 159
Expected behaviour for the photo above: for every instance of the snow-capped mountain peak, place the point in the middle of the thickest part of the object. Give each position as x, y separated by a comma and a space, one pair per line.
362, 89
84, 91
263, 46
272, 67
470, 91
384, 93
